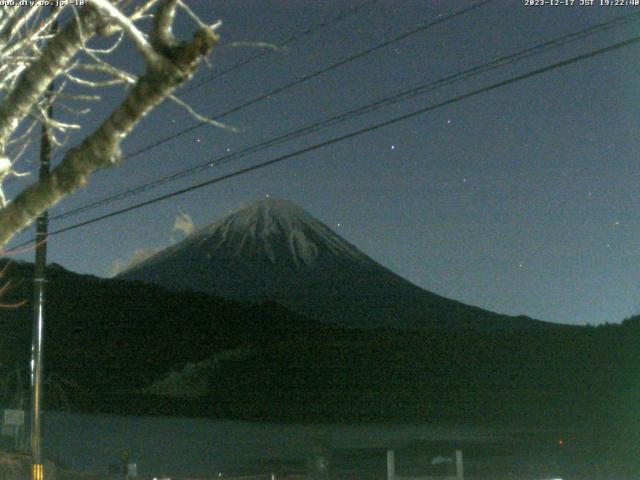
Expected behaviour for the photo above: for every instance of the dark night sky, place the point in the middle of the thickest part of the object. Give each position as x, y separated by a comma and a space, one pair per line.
519, 200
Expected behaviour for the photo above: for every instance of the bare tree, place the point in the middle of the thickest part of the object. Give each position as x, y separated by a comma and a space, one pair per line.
32, 56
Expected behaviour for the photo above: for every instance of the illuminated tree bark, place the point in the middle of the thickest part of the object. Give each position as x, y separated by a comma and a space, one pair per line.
169, 63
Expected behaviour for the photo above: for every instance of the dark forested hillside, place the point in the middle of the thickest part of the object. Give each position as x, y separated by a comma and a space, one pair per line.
128, 347
116, 336
585, 376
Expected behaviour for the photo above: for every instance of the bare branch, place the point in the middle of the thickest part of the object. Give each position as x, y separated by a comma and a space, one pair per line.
16, 22
34, 81
32, 58
16, 156
197, 20
92, 83
202, 118
24, 136
102, 148
142, 9
138, 38
269, 46
161, 33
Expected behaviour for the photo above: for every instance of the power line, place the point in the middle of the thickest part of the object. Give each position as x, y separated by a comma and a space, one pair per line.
401, 96
314, 28
348, 136
313, 75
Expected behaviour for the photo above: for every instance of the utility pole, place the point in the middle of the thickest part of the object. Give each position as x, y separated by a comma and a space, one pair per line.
38, 314
42, 223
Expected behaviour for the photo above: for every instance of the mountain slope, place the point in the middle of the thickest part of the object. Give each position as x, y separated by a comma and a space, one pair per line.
108, 336
273, 250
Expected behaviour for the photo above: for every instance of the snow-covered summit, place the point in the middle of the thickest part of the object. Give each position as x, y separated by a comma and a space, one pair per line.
278, 229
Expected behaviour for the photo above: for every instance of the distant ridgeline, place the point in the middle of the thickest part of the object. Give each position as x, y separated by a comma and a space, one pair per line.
129, 347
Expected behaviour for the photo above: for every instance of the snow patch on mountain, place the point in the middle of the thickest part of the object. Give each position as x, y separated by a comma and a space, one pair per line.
276, 228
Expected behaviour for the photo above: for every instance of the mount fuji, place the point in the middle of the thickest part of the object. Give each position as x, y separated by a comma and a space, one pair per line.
275, 251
